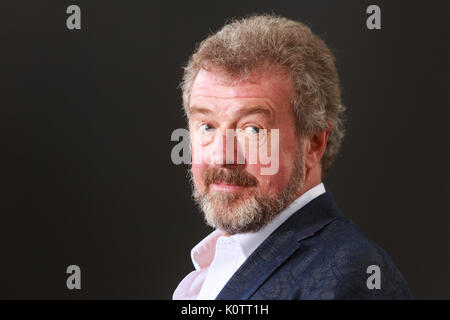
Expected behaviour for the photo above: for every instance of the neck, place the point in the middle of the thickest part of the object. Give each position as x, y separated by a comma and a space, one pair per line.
313, 176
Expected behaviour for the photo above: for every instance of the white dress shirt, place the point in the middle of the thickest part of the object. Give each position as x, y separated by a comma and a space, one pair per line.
218, 256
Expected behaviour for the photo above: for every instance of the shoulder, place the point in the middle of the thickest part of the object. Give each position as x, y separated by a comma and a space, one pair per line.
346, 264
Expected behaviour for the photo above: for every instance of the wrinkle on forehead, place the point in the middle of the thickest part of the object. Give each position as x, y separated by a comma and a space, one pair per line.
266, 84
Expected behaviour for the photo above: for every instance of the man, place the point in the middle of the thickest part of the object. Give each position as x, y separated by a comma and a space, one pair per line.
273, 84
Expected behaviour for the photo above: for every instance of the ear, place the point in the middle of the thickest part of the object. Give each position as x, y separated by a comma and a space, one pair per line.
315, 146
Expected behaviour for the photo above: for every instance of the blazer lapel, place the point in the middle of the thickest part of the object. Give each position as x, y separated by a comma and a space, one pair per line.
278, 247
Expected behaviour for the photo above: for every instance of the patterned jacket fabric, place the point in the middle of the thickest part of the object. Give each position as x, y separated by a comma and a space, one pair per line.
316, 254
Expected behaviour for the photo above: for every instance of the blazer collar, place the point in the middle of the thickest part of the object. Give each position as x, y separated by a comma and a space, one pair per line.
279, 246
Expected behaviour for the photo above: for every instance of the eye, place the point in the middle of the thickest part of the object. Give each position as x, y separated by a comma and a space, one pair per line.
206, 127
252, 130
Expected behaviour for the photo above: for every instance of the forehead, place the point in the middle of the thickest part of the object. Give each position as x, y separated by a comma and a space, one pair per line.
275, 87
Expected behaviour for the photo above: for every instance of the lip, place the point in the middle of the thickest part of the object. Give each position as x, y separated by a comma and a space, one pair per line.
226, 187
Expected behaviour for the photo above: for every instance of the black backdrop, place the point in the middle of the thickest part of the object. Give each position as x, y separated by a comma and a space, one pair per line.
86, 118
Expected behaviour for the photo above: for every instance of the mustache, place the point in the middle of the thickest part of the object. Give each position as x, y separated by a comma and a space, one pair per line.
229, 176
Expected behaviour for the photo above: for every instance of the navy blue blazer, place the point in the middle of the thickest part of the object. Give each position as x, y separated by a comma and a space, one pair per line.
316, 254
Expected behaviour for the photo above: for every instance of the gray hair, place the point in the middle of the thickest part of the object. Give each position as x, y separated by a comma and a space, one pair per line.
269, 41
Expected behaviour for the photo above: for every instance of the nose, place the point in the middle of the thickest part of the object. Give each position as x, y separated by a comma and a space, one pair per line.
226, 150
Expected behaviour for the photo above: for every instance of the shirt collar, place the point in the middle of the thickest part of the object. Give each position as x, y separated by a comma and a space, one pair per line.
203, 253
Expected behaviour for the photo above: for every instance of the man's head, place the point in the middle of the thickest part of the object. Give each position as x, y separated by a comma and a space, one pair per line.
256, 75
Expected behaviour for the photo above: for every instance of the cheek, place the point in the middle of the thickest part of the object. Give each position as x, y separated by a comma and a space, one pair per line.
201, 152
197, 171
273, 184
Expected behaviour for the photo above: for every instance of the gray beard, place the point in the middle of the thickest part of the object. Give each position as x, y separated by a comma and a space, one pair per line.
238, 213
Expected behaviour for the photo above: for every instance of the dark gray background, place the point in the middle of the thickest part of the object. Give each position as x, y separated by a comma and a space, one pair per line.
86, 118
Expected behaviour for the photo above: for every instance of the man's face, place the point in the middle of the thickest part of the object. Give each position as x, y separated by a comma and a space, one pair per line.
238, 197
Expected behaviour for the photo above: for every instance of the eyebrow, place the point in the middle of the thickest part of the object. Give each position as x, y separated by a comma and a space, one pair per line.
241, 113
255, 110
196, 109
